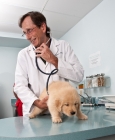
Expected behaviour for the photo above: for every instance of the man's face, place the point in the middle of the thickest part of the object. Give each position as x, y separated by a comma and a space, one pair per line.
34, 34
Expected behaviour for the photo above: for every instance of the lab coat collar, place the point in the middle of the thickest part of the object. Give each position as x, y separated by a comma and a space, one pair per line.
53, 47
31, 53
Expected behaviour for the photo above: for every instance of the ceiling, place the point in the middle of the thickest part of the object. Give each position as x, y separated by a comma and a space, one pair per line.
61, 15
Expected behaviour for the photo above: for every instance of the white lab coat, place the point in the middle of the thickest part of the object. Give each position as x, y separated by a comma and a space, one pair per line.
69, 68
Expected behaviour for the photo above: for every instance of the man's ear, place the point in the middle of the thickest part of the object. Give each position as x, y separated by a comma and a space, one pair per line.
43, 27
58, 105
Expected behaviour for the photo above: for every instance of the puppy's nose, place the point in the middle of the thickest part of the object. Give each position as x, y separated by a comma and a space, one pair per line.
72, 113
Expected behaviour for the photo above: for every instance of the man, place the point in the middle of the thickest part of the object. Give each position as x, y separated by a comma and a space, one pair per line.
50, 54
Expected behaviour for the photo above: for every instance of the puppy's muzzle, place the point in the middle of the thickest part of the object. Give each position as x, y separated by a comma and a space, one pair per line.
72, 113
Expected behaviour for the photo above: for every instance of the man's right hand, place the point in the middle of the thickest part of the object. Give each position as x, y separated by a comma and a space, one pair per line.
41, 103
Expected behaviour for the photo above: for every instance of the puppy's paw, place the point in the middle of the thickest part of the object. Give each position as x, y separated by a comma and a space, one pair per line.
56, 120
83, 117
31, 116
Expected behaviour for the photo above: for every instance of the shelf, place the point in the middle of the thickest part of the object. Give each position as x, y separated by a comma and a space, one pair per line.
107, 84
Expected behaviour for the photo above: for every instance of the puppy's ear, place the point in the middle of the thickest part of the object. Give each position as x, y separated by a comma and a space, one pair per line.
78, 108
58, 105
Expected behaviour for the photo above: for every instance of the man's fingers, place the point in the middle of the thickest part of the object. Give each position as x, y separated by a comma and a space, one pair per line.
45, 99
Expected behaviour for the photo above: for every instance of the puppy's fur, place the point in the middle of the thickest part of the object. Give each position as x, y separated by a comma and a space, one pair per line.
63, 98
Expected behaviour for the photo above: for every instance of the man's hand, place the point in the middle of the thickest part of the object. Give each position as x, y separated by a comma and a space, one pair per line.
41, 103
44, 52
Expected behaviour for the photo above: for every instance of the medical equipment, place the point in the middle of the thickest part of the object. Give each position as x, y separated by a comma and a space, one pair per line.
52, 72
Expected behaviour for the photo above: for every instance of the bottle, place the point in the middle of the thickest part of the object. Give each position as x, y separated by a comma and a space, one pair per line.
81, 89
95, 81
96, 101
102, 79
99, 80
88, 81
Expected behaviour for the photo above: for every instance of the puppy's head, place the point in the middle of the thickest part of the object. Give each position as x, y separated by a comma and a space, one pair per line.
69, 102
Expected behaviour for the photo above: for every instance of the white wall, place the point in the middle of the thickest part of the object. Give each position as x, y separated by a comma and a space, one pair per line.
8, 58
96, 32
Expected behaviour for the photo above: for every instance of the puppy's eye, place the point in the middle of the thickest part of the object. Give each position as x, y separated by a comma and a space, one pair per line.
67, 104
75, 103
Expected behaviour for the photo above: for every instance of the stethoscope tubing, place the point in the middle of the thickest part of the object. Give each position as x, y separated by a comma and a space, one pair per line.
52, 73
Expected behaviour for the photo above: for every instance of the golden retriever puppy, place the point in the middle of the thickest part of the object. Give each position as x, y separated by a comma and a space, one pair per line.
63, 99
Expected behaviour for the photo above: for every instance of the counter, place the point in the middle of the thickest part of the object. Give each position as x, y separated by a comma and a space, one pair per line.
101, 122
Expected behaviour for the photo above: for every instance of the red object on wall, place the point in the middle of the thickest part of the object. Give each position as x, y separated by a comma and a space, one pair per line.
19, 107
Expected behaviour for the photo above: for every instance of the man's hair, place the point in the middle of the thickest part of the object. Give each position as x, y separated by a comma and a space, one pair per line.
37, 18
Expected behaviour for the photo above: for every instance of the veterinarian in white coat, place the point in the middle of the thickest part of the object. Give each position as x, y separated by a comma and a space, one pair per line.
54, 54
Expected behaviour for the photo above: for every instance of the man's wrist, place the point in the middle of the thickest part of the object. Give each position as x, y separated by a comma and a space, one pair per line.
55, 62
36, 102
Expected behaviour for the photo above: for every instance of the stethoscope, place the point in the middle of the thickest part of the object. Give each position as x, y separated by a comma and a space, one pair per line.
52, 72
